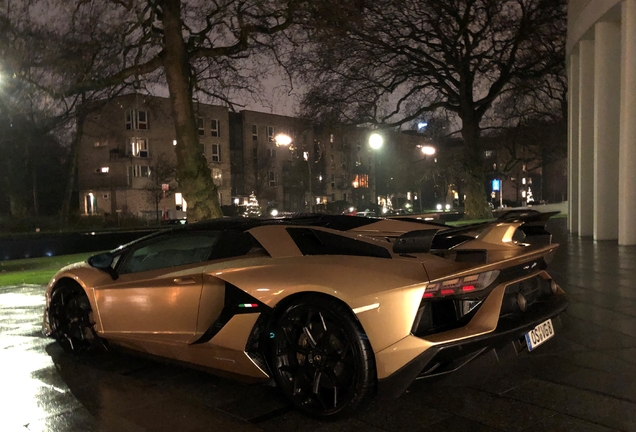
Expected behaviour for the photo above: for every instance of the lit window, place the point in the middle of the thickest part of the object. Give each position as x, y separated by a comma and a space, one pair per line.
102, 170
180, 203
136, 119
254, 132
215, 127
200, 126
361, 181
216, 152
270, 133
217, 176
330, 138
174, 142
139, 147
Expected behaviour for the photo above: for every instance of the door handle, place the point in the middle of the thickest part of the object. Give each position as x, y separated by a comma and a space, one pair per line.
185, 281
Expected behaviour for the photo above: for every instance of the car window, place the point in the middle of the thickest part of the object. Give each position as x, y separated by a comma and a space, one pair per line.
176, 250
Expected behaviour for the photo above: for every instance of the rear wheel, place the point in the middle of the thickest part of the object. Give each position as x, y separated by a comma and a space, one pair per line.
321, 358
71, 319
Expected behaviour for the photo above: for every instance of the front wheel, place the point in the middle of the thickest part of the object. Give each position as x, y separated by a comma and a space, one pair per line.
71, 319
321, 358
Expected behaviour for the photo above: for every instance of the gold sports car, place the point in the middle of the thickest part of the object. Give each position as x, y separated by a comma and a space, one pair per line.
334, 309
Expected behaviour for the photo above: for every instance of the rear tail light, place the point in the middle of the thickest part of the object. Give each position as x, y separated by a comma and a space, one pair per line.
462, 285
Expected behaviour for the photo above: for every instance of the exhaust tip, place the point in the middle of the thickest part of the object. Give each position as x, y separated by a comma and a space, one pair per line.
522, 302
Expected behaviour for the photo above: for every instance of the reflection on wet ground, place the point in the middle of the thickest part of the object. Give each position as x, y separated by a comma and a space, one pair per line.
583, 380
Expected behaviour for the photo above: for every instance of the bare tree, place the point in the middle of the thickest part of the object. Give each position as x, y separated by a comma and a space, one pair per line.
200, 48
43, 63
391, 62
533, 133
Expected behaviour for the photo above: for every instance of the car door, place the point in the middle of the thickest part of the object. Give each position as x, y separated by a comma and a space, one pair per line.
157, 294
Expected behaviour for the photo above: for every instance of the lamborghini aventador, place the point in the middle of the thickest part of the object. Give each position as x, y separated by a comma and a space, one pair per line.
334, 309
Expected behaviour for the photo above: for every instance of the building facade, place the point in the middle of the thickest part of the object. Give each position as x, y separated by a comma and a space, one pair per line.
263, 166
132, 138
128, 143
601, 55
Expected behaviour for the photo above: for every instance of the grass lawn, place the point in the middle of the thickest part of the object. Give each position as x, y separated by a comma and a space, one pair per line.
36, 270
467, 222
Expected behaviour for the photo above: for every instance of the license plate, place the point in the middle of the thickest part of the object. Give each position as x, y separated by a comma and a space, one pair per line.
539, 334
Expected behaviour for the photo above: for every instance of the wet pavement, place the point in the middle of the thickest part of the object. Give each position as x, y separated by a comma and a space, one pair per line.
582, 380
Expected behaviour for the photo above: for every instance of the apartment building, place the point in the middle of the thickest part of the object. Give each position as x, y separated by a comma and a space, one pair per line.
349, 166
123, 146
279, 175
126, 141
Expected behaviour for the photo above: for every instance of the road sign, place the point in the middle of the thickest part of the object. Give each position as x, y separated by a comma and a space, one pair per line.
165, 187
496, 185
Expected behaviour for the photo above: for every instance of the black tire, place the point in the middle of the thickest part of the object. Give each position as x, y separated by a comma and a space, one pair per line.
71, 319
321, 359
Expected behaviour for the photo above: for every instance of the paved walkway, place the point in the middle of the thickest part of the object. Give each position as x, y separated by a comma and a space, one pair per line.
583, 380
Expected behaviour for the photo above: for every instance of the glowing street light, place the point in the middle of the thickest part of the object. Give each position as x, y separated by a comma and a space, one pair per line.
428, 150
282, 140
376, 141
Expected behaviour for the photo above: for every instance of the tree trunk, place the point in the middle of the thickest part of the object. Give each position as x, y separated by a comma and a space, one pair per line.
34, 175
30, 163
73, 162
193, 173
476, 203
157, 208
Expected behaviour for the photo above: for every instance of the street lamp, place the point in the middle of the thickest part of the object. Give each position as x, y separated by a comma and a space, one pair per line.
285, 140
428, 150
282, 140
376, 141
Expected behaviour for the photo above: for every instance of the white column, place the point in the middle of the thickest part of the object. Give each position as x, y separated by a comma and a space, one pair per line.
627, 160
607, 96
586, 138
573, 144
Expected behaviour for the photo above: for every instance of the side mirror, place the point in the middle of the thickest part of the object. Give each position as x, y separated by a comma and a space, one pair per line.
104, 262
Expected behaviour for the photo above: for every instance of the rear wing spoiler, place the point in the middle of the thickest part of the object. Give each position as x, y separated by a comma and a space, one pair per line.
531, 225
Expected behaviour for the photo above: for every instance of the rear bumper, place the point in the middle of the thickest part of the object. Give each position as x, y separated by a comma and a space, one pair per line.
509, 329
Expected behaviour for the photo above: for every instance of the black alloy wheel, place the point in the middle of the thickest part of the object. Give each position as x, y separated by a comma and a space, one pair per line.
71, 319
321, 358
